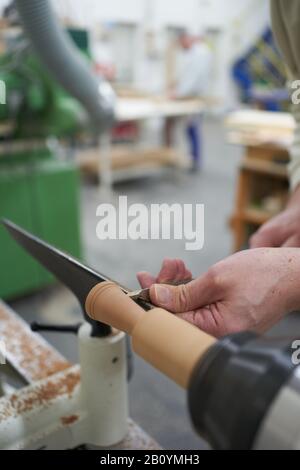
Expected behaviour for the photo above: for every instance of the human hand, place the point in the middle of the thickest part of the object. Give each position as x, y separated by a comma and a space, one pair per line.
251, 290
172, 270
282, 230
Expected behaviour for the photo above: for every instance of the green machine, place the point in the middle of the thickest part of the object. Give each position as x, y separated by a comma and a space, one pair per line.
38, 188
50, 92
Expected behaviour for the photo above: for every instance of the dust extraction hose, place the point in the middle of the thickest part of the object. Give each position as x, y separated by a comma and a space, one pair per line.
58, 53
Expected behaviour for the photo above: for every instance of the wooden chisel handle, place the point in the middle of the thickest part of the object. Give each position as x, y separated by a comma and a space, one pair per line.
170, 344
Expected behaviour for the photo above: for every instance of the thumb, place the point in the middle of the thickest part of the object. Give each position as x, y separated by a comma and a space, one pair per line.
185, 297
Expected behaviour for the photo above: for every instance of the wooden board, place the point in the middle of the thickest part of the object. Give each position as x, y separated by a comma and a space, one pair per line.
253, 128
123, 158
133, 109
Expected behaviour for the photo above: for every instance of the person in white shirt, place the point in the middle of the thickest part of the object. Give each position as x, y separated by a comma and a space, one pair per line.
194, 68
192, 81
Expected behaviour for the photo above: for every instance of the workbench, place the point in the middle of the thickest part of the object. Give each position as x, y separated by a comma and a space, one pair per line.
113, 162
262, 185
132, 109
47, 377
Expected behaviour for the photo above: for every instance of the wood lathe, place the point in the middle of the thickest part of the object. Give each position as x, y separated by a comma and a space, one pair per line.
243, 390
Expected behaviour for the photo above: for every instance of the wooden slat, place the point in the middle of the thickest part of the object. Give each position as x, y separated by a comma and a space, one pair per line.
122, 158
265, 167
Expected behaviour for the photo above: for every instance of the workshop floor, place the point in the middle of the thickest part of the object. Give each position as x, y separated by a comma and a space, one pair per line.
156, 404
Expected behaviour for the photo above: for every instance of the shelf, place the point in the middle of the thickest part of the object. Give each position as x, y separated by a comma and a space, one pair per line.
253, 216
278, 170
263, 172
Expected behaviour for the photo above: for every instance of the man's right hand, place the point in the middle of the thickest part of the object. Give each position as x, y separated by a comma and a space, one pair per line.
283, 230
251, 290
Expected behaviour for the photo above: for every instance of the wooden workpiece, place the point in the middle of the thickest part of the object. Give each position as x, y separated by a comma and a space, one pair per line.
170, 344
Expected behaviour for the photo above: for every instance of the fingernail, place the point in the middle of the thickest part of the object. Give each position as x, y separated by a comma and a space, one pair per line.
162, 294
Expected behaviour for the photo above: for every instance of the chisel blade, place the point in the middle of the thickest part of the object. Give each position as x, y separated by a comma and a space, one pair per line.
79, 278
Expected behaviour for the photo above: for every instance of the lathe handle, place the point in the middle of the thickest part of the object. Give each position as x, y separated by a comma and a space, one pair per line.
170, 344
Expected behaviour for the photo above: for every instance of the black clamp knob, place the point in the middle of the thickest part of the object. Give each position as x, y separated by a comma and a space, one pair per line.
36, 326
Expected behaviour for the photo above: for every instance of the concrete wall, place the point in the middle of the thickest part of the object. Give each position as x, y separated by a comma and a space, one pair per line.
3, 4
89, 12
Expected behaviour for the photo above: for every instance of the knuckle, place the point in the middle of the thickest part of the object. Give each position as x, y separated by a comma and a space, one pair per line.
214, 277
182, 298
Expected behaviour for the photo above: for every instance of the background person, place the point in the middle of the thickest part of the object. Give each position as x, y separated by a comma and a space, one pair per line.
192, 81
